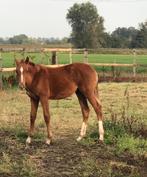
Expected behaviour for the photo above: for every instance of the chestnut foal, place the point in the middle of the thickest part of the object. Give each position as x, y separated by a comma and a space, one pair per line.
43, 83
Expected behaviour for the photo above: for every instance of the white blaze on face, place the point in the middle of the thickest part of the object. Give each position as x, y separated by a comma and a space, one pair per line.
21, 76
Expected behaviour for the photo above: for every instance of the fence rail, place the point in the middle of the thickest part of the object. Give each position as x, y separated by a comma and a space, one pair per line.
113, 77
114, 64
94, 64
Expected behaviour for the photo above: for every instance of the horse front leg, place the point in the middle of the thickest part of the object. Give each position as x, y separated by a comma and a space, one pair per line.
45, 106
34, 107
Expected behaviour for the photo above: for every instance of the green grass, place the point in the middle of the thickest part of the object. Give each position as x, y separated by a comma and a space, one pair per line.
8, 58
63, 58
131, 144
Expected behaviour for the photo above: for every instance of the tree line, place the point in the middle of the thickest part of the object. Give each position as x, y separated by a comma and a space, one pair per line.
24, 39
88, 31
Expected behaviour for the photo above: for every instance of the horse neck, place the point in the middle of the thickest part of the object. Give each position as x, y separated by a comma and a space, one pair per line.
31, 77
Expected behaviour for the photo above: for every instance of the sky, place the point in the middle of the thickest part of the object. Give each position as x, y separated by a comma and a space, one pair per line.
47, 18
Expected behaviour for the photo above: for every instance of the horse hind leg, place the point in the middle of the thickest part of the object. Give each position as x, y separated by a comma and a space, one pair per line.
85, 112
96, 104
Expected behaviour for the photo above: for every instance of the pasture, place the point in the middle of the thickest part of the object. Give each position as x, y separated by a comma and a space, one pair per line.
63, 58
105, 72
123, 154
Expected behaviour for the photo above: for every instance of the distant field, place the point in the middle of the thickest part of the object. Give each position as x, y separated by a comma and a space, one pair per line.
64, 58
8, 58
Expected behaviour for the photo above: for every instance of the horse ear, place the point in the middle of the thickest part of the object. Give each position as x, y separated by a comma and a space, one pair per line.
27, 60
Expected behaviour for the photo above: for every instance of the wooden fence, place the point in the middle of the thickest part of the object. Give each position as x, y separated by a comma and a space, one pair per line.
94, 64
70, 51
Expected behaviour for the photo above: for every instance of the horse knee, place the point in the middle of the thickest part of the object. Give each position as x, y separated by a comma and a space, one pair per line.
46, 118
86, 113
32, 118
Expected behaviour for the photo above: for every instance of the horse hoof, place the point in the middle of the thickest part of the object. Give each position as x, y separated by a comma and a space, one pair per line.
48, 142
79, 138
28, 140
101, 142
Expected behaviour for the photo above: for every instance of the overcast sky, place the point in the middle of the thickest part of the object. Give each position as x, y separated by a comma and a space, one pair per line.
47, 18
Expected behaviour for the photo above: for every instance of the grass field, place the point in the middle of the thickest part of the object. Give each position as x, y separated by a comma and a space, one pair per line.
8, 58
63, 58
124, 153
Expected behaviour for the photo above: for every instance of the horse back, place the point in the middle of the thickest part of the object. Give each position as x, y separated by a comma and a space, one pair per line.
77, 72
61, 82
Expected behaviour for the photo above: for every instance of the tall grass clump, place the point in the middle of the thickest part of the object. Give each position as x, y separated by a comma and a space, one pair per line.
125, 129
25, 166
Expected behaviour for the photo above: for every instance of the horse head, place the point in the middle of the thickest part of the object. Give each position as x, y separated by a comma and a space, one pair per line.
25, 71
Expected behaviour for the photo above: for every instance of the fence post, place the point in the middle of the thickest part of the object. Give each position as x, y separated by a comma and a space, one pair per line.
14, 56
85, 56
1, 82
114, 70
70, 56
54, 59
23, 53
134, 63
42, 57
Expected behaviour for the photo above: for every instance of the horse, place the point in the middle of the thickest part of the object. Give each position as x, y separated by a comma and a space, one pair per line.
43, 83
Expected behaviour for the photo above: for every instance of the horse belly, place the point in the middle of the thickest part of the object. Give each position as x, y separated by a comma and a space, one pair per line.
63, 91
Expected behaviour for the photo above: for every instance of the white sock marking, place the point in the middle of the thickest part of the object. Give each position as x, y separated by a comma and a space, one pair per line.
79, 138
101, 130
83, 131
28, 140
48, 141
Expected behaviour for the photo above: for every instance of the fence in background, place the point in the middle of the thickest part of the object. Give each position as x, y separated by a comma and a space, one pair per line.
53, 60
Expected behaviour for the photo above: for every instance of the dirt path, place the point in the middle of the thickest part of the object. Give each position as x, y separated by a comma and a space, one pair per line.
68, 158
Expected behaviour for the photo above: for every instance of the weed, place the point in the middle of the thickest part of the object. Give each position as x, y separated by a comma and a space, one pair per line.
135, 146
114, 131
26, 167
91, 168
5, 164
23, 167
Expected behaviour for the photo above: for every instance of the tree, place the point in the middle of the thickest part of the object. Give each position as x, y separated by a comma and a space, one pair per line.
19, 39
107, 40
2, 41
87, 25
123, 37
140, 41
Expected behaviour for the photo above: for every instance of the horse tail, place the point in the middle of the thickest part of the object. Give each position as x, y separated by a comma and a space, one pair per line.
97, 95
96, 88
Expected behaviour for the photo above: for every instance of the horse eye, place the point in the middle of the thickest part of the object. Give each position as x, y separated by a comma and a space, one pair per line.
17, 72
